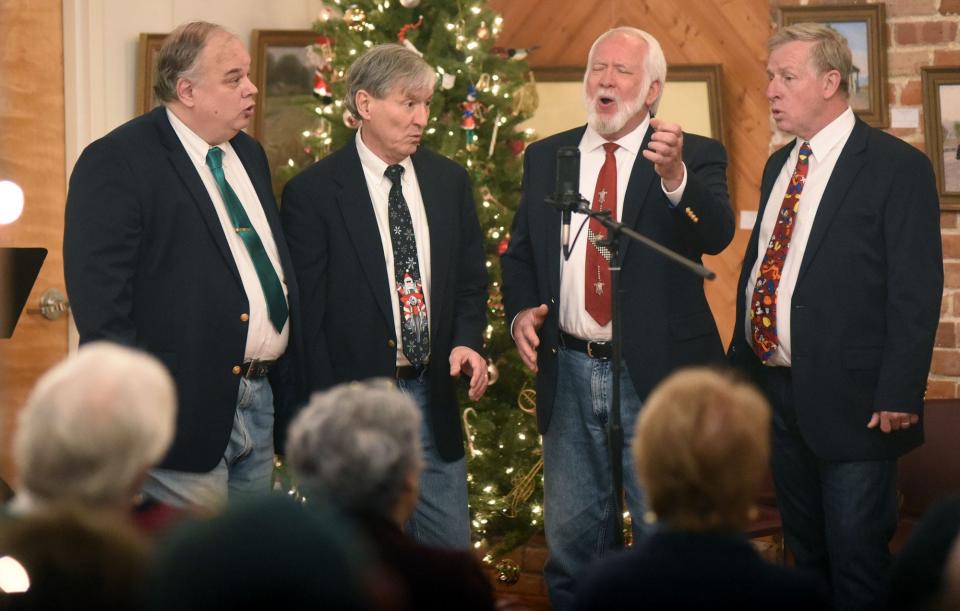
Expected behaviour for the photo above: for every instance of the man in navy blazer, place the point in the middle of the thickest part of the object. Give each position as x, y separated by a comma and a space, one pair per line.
389, 256
839, 333
173, 244
671, 187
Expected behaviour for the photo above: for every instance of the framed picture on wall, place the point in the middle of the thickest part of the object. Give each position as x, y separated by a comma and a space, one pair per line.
863, 26
941, 122
691, 98
283, 75
146, 66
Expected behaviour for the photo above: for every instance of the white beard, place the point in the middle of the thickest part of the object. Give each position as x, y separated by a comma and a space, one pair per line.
626, 110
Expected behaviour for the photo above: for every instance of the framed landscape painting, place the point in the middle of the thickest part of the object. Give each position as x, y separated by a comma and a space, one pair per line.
941, 122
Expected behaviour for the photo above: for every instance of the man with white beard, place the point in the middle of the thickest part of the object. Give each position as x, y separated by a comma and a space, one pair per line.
663, 183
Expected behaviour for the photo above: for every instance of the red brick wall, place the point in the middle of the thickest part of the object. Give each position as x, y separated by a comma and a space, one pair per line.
923, 33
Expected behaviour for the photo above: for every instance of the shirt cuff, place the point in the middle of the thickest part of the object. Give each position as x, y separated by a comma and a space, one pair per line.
676, 195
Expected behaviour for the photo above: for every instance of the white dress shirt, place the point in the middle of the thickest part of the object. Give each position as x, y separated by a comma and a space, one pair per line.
263, 341
379, 187
826, 146
574, 318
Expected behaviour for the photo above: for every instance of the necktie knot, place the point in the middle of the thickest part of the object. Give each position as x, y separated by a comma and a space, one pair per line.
610, 147
805, 152
215, 158
394, 172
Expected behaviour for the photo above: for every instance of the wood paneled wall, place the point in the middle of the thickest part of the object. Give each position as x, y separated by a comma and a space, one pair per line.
732, 33
32, 155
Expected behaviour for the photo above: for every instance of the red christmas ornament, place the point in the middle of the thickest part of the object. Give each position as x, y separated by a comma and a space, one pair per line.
321, 90
517, 147
502, 246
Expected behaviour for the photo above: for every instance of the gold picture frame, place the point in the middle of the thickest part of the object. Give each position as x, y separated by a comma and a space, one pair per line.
692, 97
284, 79
147, 49
864, 27
941, 126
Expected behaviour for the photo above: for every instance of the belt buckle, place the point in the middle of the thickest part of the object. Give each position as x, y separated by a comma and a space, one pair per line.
590, 350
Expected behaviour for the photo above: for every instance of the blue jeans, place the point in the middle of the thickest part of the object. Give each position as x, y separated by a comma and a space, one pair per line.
441, 518
838, 517
244, 471
578, 487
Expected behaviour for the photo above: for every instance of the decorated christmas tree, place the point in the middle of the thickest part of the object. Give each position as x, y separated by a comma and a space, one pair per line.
483, 94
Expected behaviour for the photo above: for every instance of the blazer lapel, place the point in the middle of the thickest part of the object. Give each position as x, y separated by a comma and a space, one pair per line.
194, 184
641, 179
851, 160
437, 196
361, 224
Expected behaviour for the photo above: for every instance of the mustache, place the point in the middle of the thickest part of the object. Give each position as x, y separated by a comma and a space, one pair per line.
605, 93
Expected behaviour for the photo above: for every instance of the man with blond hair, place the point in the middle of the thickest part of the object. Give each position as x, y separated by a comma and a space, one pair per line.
663, 183
838, 304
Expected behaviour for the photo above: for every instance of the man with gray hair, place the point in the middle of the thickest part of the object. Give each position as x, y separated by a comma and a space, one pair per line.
92, 428
663, 183
358, 447
838, 304
388, 252
172, 244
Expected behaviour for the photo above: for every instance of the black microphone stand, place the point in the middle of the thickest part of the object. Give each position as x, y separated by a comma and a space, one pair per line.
615, 230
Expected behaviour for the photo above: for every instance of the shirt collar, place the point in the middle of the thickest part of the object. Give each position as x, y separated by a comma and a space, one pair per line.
195, 146
632, 142
835, 133
376, 166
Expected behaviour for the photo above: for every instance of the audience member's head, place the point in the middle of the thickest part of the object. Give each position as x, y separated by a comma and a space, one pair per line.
92, 428
926, 574
359, 446
949, 595
72, 559
700, 447
271, 553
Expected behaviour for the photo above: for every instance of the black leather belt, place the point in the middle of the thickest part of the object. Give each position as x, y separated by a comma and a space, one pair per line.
407, 372
595, 350
256, 369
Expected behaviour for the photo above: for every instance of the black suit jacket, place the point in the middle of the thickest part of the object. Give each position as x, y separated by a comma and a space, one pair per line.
866, 304
338, 256
666, 320
147, 265
693, 571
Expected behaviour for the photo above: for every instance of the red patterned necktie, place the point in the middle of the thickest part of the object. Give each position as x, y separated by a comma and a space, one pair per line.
763, 305
597, 278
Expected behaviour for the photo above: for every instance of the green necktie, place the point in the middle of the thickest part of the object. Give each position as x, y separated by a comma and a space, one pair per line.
269, 282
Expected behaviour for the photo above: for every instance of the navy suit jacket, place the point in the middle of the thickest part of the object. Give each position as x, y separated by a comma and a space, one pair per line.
147, 264
667, 322
866, 304
337, 252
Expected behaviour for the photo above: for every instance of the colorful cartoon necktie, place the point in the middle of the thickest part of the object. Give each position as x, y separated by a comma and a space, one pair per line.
597, 294
414, 324
763, 305
269, 282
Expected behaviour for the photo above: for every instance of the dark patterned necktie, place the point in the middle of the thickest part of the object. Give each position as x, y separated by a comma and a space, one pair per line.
269, 282
414, 324
597, 297
763, 305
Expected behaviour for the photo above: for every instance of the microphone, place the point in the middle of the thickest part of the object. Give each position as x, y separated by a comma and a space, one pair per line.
568, 188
